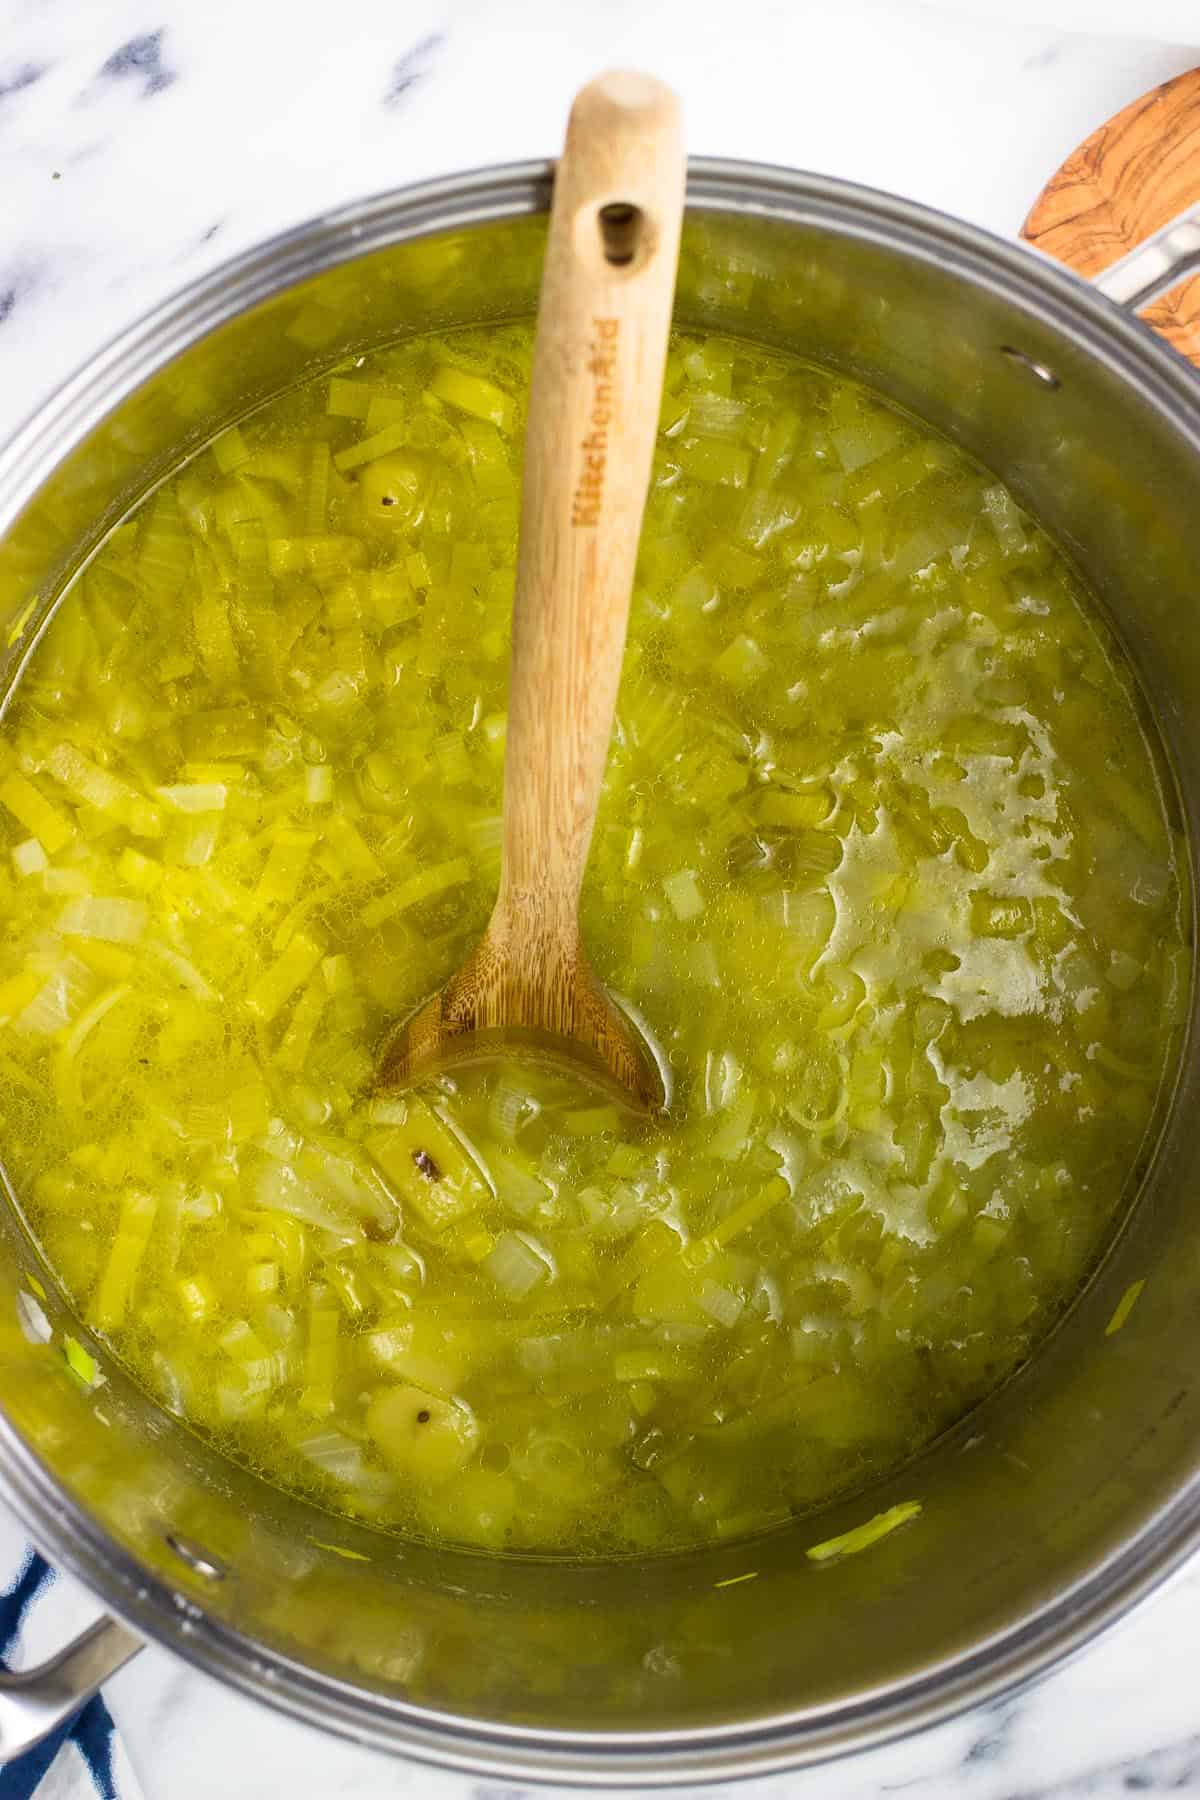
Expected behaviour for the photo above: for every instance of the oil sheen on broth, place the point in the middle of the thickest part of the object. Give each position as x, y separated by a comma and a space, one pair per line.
882, 857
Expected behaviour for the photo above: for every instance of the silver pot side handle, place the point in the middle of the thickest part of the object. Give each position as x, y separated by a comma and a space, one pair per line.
36, 1702
1167, 257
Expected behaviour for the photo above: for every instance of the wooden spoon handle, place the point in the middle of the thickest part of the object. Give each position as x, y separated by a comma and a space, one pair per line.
1125, 181
595, 393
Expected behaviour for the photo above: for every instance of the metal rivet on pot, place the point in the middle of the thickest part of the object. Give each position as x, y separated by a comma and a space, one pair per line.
1039, 371
199, 1561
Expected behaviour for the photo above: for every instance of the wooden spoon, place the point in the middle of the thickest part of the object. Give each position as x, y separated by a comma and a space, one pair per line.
598, 362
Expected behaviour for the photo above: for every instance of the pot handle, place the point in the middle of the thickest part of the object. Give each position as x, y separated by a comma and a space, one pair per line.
1123, 211
1152, 267
36, 1702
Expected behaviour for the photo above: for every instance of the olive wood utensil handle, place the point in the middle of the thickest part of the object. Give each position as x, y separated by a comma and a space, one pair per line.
595, 393
1127, 180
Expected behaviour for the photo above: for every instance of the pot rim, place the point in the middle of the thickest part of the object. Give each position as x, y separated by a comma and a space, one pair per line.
61, 1527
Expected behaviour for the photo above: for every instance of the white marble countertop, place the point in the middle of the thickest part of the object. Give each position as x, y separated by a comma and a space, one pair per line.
142, 143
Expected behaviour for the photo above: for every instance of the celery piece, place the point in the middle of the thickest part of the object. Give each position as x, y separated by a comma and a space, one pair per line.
488, 456
1006, 519
626, 1160
863, 1536
387, 409
338, 974
709, 366
778, 447
515, 1265
750, 1211
276, 985
729, 1140
194, 796
417, 568
117, 920
320, 1356
18, 625
347, 1277
429, 1165
297, 1039
165, 554
713, 460
474, 394
233, 731
64, 881
49, 825
765, 515
424, 1436
450, 754
324, 555
654, 1243
650, 1365
197, 1298
591, 1121
316, 490
346, 854
19, 991
865, 439
517, 1181
643, 1398
318, 784
716, 415
380, 443
681, 889
80, 1361
1124, 1307
240, 1341
284, 867
55, 1001
348, 399
229, 451
106, 959
29, 858
795, 812
67, 1062
485, 837
741, 662
421, 886
214, 638
110, 1302
721, 1304
106, 792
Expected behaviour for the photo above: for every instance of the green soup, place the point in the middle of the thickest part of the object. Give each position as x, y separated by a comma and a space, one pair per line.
882, 864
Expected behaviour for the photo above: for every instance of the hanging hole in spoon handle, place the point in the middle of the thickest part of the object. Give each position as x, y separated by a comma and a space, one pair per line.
622, 230
1128, 180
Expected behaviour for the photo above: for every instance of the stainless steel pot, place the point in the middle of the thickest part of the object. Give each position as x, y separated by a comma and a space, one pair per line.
1047, 1512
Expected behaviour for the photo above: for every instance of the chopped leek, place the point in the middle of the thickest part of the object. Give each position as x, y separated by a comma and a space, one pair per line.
1124, 1307
863, 1536
48, 824
914, 955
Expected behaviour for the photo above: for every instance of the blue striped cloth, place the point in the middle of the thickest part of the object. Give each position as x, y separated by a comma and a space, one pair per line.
83, 1759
